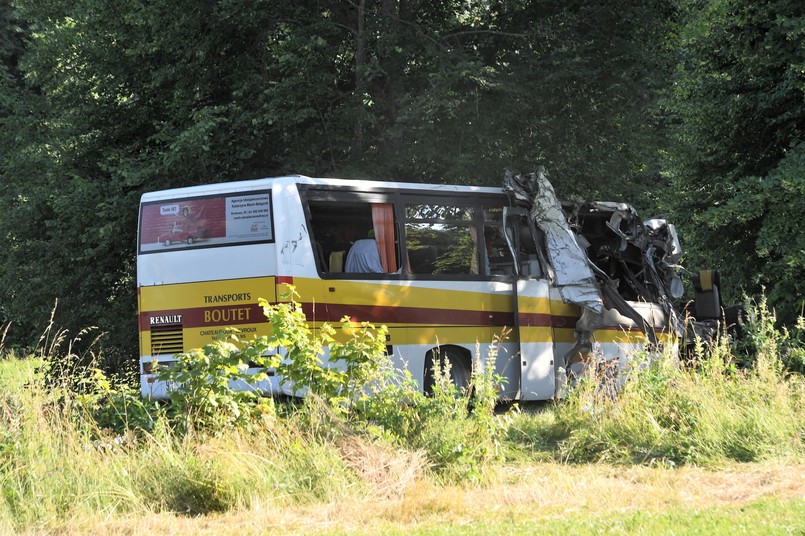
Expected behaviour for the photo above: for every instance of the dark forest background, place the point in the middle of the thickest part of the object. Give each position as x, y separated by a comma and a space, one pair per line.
690, 109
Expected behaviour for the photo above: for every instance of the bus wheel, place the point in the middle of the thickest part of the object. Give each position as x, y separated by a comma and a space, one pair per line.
460, 368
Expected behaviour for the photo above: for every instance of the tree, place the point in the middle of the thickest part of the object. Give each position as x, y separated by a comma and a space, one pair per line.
739, 168
463, 91
12, 96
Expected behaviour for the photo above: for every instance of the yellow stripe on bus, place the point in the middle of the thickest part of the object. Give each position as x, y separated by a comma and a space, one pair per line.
381, 294
206, 294
536, 334
528, 304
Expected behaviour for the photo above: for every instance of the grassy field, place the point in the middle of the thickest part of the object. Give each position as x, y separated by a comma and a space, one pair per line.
766, 498
704, 448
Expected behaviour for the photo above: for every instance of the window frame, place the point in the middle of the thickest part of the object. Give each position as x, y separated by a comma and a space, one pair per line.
401, 199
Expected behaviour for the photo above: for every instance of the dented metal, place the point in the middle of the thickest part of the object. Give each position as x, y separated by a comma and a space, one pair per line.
604, 258
572, 273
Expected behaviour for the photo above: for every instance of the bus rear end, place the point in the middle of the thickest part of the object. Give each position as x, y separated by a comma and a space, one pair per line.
205, 256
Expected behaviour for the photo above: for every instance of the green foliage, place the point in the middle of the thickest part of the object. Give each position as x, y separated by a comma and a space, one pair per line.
203, 394
213, 389
71, 371
739, 160
353, 364
55, 465
706, 413
767, 347
114, 406
102, 101
458, 430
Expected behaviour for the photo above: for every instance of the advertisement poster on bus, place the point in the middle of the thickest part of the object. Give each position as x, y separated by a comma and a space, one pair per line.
238, 218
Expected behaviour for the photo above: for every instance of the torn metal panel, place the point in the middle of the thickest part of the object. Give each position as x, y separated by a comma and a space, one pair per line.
640, 257
603, 256
573, 274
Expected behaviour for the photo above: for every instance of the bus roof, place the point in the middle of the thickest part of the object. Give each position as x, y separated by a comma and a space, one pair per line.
258, 184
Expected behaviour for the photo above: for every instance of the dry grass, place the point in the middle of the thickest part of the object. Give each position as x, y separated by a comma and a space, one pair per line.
533, 492
387, 472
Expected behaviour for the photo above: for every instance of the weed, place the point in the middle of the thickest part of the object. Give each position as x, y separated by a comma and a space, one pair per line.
767, 346
204, 394
456, 428
4, 328
213, 389
712, 412
352, 364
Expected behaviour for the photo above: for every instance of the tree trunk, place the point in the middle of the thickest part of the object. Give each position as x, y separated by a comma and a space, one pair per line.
360, 82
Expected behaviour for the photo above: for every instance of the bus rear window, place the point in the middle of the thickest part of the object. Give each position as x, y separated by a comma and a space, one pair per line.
221, 220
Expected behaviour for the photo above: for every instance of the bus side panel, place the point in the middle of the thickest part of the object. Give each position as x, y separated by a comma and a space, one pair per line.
421, 316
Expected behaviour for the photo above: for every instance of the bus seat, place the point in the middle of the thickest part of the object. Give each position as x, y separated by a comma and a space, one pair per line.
708, 297
337, 262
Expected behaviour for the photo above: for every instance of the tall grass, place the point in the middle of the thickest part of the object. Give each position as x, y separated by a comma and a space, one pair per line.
57, 464
92, 449
674, 415
717, 407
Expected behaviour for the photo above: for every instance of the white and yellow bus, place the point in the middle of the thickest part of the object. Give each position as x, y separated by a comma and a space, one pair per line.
445, 267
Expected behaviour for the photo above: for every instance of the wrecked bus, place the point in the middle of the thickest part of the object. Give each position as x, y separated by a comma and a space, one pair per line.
445, 267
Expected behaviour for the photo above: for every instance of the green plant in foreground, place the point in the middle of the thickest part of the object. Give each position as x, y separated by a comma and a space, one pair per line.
115, 405
212, 388
766, 346
358, 386
354, 354
202, 384
704, 414
69, 375
457, 429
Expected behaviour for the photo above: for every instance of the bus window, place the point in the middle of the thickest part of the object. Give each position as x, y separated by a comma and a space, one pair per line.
526, 241
441, 239
531, 258
499, 257
354, 236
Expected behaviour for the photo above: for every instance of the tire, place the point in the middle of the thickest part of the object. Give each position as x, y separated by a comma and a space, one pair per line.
460, 368
168, 242
190, 240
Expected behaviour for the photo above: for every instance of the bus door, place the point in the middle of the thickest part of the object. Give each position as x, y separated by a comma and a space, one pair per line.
532, 307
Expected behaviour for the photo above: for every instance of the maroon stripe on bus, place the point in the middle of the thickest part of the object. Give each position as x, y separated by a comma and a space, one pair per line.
233, 315
226, 315
407, 315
